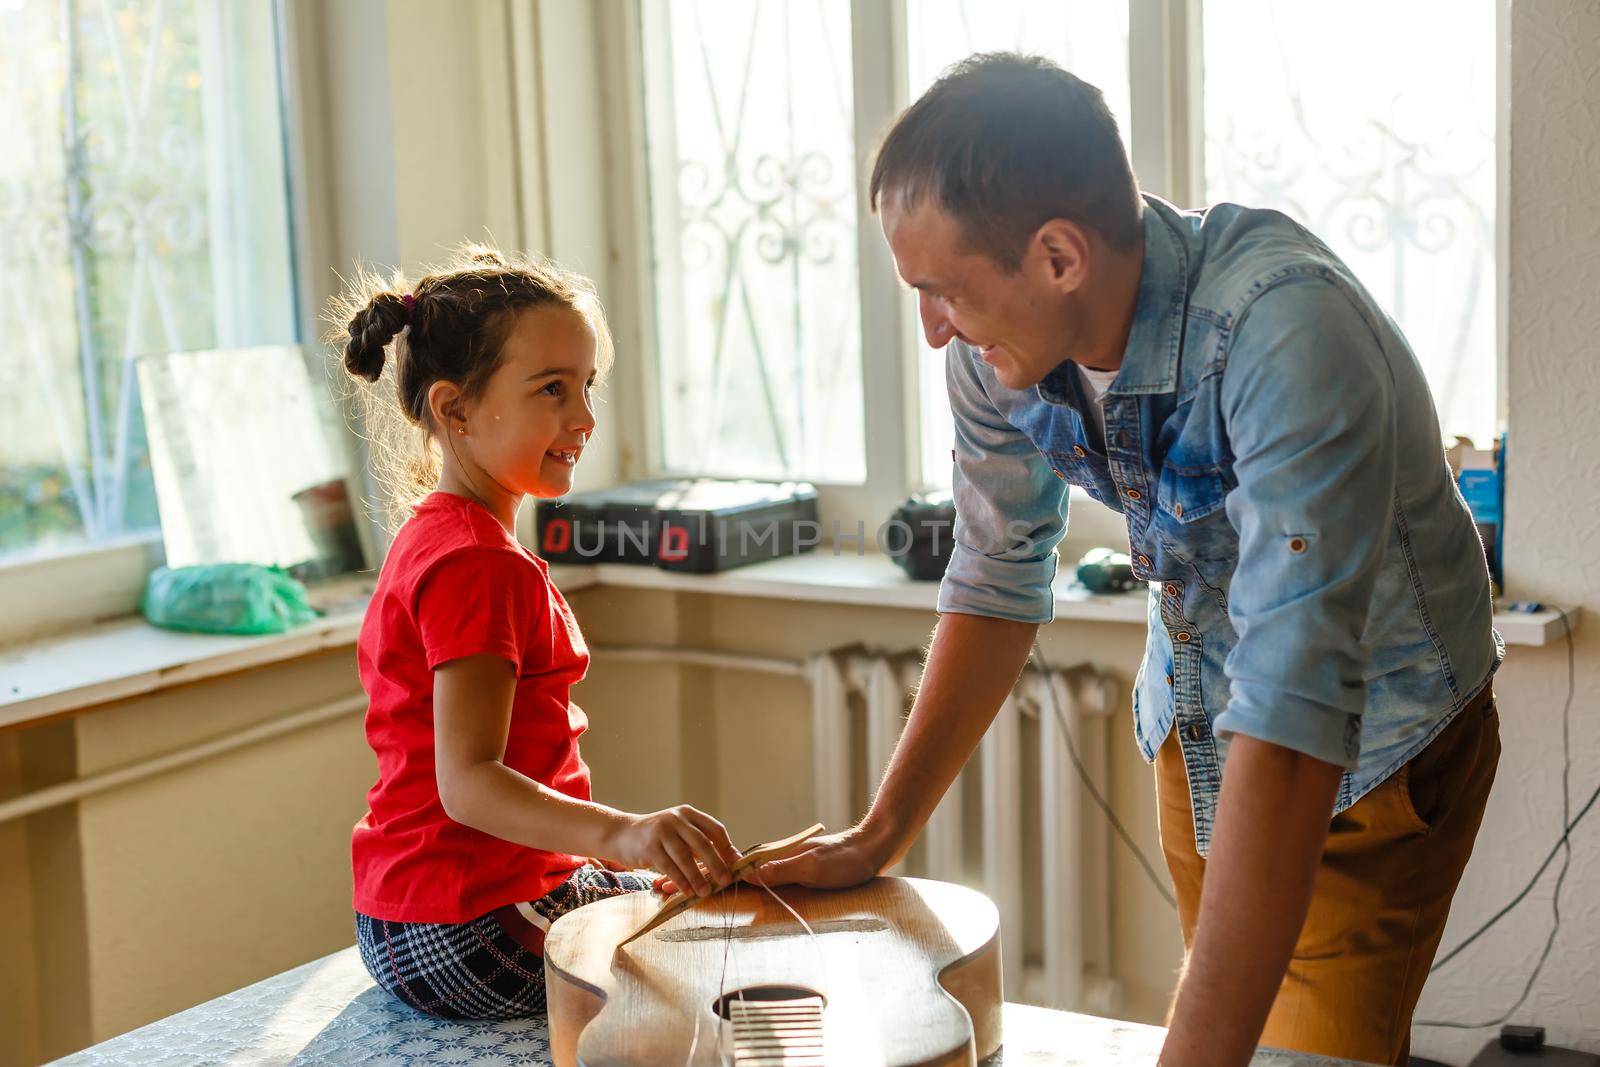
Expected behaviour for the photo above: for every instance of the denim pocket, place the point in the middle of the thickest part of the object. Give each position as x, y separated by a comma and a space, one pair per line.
1194, 527
1189, 494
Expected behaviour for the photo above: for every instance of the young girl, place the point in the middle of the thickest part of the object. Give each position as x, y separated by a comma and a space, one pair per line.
481, 821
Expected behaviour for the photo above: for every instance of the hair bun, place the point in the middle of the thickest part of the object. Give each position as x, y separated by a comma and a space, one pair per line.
477, 255
371, 329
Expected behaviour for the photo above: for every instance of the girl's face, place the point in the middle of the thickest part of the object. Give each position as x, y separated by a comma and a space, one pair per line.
528, 428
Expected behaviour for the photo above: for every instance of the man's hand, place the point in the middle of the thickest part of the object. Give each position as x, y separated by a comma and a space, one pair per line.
1272, 824
833, 861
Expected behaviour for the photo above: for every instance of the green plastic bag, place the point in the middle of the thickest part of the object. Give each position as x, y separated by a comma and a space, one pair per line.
225, 598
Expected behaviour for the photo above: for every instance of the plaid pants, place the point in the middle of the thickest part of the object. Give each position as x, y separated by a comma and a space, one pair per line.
491, 967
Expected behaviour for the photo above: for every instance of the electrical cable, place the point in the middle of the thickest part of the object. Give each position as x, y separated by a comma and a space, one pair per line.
1563, 843
730, 901
1089, 786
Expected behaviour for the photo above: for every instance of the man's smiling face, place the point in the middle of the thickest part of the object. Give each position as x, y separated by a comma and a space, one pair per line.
1021, 322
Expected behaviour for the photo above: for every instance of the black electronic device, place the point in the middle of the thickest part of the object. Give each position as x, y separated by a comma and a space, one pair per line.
920, 535
695, 525
1523, 1046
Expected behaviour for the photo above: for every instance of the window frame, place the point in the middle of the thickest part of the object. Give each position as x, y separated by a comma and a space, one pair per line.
83, 583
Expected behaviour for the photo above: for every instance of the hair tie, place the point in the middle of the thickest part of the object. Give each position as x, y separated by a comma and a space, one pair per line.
410, 301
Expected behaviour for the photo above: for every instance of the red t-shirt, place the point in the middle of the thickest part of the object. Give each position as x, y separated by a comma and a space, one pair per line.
456, 584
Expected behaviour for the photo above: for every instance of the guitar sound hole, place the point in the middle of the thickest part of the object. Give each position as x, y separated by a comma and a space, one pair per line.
770, 1001
775, 1026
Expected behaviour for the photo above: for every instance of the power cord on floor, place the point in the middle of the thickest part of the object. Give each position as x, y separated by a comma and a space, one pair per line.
1093, 791
1563, 844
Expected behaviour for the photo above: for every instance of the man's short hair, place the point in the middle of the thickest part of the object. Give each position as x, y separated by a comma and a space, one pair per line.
1002, 143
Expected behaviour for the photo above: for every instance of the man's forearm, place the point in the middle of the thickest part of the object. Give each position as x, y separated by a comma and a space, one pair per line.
972, 665
1272, 824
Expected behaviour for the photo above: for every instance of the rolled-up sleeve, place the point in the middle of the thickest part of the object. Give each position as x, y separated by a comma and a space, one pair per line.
1308, 401
1011, 509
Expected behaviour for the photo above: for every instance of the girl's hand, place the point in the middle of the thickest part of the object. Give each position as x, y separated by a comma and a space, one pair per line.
685, 844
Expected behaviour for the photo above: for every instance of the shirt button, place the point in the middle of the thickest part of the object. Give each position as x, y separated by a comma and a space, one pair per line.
1134, 494
1177, 509
1172, 590
1077, 450
1297, 545
1196, 733
1183, 637
1169, 681
1144, 561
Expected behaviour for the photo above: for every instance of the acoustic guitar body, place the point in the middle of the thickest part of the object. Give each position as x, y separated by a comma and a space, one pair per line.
898, 972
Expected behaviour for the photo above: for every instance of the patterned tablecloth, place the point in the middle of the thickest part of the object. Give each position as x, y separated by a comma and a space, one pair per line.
328, 1013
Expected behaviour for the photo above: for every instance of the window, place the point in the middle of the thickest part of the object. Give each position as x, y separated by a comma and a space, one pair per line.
755, 115
143, 208
1390, 161
749, 124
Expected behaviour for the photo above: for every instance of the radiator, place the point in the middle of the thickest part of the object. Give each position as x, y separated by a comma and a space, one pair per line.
1017, 824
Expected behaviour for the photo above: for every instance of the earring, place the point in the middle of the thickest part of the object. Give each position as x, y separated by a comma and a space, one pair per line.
461, 429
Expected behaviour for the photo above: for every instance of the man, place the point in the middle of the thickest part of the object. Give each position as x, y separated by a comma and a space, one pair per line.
1320, 621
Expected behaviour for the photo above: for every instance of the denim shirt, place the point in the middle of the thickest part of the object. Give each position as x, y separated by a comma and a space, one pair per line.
1316, 580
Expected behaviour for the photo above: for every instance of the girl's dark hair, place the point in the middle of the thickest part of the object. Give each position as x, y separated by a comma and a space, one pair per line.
399, 339
1002, 143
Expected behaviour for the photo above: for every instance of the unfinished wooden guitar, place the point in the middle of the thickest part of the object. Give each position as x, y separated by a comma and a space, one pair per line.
897, 972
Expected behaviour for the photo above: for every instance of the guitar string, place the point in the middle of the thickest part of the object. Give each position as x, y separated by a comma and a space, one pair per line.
730, 907
816, 942
694, 1039
694, 1042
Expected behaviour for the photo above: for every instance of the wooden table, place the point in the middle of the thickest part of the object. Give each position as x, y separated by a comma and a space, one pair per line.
329, 1012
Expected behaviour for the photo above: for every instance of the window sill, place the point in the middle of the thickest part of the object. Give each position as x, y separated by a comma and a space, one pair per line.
869, 580
1544, 627
128, 657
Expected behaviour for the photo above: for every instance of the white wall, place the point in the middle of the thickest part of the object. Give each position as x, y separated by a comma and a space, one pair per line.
1553, 513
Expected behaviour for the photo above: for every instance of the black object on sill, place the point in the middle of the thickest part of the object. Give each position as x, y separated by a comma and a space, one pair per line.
692, 525
920, 534
1105, 570
1524, 1045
